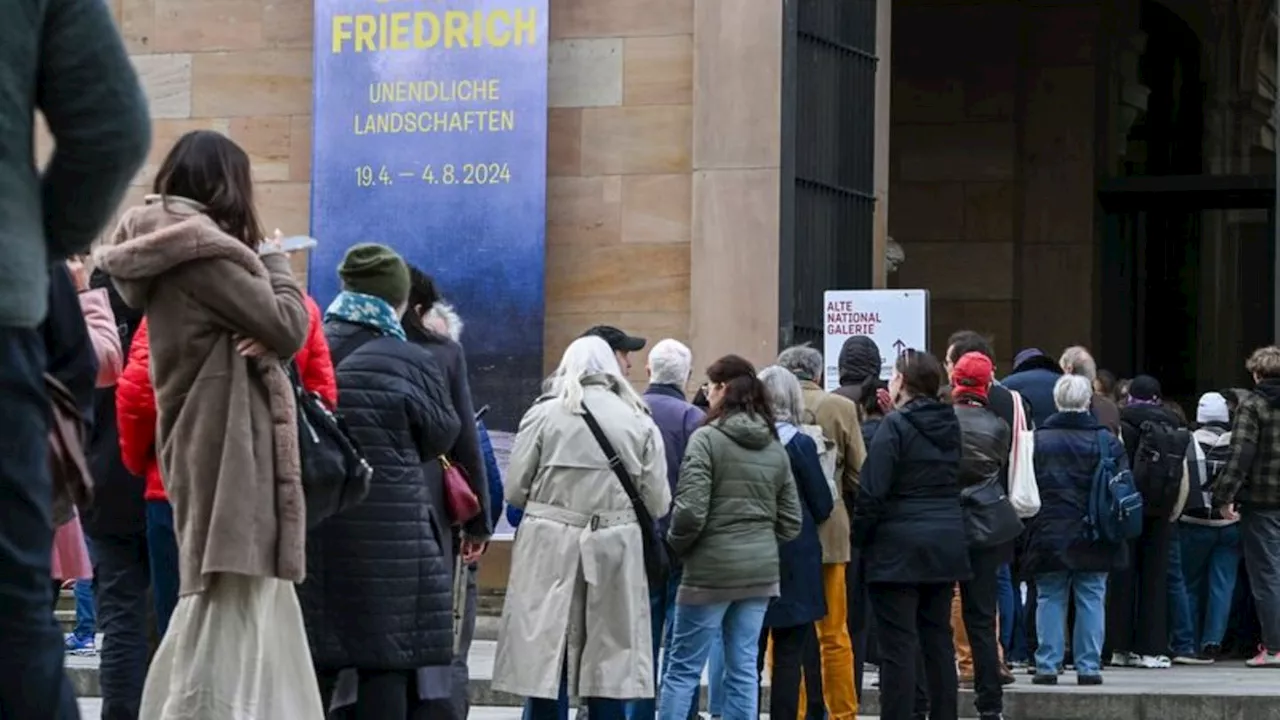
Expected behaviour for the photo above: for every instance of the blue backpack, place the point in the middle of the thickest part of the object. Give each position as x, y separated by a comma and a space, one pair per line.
1115, 505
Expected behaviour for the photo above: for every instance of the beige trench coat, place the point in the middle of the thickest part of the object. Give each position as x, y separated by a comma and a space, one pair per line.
577, 588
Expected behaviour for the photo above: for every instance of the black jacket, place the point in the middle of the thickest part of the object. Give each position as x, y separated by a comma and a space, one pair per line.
466, 450
907, 518
69, 355
378, 592
984, 439
118, 507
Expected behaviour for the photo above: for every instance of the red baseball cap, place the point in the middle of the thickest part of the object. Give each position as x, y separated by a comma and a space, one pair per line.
972, 374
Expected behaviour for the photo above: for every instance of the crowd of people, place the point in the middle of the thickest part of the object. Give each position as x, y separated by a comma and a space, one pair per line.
944, 526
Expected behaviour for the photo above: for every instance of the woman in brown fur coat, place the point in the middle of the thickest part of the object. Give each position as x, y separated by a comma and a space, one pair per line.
223, 311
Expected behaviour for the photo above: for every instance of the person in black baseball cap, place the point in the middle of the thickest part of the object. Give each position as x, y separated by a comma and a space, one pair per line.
621, 343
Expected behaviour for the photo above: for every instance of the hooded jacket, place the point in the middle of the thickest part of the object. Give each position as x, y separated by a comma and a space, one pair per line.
908, 518
735, 502
227, 430
1252, 477
859, 360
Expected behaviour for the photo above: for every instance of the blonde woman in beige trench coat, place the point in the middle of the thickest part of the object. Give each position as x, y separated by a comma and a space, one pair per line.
577, 599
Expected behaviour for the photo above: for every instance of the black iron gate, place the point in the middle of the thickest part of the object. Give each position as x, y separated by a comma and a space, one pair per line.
828, 158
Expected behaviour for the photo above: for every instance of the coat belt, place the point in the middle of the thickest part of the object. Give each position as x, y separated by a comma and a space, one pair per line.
595, 521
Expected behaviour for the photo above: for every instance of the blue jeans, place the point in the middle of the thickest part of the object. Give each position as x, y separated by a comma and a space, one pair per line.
1053, 591
33, 684
691, 638
162, 550
1182, 631
86, 619
1210, 562
1006, 597
715, 676
662, 606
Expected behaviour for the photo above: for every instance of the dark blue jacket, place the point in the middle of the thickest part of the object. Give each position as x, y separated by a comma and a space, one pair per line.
802, 599
676, 420
492, 472
1035, 383
1066, 455
908, 519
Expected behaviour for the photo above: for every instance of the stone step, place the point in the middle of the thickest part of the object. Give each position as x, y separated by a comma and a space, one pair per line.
1221, 692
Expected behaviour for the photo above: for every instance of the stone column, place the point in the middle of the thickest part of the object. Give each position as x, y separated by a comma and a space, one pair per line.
884, 37
736, 164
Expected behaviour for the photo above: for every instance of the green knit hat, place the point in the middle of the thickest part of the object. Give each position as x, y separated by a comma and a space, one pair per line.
375, 270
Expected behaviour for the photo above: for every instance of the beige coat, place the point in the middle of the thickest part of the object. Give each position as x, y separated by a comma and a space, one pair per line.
838, 418
227, 434
577, 583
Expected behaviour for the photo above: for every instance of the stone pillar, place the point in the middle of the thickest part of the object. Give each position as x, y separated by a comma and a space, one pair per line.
736, 182
884, 37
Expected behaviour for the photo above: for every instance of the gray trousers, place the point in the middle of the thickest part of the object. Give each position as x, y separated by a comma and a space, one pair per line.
1260, 541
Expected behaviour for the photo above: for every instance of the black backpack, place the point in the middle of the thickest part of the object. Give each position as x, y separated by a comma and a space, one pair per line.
335, 474
1158, 465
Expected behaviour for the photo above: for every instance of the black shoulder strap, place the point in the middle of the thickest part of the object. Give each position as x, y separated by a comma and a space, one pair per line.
615, 464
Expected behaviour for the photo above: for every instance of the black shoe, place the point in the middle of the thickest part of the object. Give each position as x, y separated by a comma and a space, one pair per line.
1213, 651
1044, 680
1088, 679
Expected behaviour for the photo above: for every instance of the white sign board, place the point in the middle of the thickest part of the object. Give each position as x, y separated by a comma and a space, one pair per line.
894, 319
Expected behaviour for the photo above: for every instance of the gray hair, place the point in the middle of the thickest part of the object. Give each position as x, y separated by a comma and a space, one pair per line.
782, 390
1076, 360
670, 363
804, 361
447, 318
1073, 393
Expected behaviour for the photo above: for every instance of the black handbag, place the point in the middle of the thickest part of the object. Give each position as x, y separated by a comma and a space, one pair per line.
989, 517
657, 556
335, 474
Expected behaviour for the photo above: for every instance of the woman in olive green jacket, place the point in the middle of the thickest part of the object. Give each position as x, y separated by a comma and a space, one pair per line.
735, 502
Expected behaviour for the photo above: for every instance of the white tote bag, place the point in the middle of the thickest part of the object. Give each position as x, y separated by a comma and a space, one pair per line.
1024, 493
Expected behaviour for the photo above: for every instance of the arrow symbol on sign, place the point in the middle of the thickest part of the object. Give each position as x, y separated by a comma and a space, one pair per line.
899, 346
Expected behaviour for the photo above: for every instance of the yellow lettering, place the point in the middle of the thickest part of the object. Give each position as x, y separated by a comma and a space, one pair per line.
477, 28
382, 31
455, 29
400, 30
366, 28
341, 31
423, 20
493, 36
526, 28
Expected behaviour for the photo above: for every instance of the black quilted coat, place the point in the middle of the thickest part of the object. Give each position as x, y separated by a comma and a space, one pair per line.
378, 593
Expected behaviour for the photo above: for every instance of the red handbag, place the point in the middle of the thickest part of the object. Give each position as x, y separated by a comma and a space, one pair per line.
460, 502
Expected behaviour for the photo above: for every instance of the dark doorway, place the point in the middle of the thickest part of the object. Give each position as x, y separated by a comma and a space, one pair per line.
1187, 259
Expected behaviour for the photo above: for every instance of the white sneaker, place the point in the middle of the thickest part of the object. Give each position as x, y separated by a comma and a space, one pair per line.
1153, 662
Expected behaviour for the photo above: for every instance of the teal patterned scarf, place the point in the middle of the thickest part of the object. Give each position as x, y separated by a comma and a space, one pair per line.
366, 310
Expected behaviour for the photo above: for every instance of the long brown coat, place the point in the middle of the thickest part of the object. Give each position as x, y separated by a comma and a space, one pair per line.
227, 436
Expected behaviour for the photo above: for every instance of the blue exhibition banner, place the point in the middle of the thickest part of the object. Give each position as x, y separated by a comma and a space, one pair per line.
430, 136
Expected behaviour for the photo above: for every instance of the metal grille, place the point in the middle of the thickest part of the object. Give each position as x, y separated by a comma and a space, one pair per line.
828, 158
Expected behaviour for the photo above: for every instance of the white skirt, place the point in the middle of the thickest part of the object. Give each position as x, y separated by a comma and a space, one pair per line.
237, 651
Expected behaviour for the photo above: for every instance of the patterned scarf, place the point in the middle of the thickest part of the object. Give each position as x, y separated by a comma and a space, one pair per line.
366, 310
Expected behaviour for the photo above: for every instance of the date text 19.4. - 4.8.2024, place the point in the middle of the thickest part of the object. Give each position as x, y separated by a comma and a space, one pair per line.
446, 174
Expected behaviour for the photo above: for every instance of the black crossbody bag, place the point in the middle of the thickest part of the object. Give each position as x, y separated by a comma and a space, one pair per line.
657, 556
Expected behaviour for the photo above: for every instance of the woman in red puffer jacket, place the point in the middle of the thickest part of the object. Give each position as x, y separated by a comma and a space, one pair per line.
136, 421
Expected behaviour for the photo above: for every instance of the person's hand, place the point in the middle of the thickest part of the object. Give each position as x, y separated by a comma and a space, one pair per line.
250, 348
1231, 512
271, 245
79, 274
472, 550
